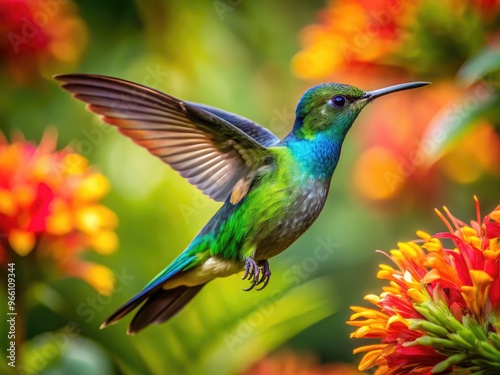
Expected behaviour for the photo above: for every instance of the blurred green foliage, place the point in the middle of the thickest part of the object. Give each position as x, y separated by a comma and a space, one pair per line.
234, 55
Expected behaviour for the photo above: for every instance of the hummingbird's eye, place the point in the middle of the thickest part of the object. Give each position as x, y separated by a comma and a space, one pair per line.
339, 101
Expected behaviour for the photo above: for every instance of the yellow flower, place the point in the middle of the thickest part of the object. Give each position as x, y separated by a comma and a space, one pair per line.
440, 312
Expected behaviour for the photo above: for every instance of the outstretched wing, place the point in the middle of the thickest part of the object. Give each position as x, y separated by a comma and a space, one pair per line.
254, 130
206, 149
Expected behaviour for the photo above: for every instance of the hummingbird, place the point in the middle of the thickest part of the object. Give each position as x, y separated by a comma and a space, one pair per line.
272, 189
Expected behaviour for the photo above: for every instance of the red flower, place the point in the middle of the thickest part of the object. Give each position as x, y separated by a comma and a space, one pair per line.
49, 209
439, 313
39, 36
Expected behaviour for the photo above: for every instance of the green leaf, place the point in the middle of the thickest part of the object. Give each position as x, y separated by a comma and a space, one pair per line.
495, 339
429, 327
488, 365
42, 352
487, 61
450, 361
294, 311
472, 324
80, 356
62, 352
224, 330
453, 122
485, 349
436, 342
481, 75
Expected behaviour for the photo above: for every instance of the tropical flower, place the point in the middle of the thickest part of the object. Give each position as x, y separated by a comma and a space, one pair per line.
352, 34
39, 38
293, 364
440, 311
363, 38
50, 211
376, 43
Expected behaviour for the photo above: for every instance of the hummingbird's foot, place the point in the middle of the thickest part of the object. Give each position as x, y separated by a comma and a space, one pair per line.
266, 274
253, 273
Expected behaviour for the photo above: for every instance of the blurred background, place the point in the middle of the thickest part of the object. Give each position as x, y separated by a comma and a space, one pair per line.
407, 154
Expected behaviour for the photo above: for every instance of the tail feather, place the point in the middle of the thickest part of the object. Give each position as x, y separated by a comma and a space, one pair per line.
161, 306
153, 291
129, 306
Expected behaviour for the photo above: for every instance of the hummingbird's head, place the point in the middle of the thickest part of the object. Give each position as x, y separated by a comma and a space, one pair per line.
331, 108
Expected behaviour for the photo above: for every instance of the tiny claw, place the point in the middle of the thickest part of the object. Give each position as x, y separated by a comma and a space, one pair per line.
263, 285
255, 275
266, 275
249, 288
247, 269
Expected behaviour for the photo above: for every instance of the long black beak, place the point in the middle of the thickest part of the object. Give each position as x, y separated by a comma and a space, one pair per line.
370, 95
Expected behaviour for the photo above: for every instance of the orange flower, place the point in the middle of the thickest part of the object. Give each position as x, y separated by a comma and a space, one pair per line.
365, 38
49, 209
39, 37
440, 311
354, 34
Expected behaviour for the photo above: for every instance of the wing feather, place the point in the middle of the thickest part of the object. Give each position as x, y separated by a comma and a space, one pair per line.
201, 143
